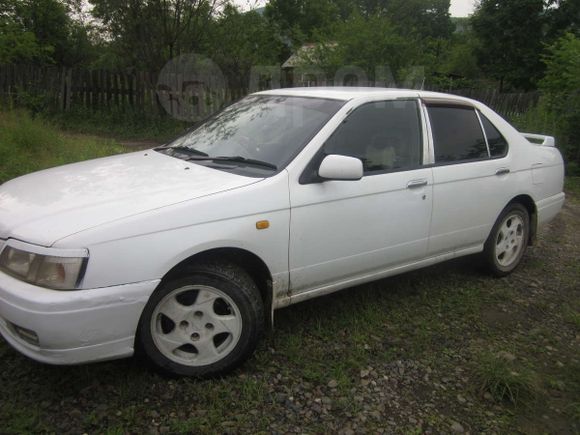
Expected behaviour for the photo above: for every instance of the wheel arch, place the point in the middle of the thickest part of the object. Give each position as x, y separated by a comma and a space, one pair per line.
250, 262
528, 202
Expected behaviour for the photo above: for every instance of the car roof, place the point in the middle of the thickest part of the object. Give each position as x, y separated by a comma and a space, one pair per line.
350, 93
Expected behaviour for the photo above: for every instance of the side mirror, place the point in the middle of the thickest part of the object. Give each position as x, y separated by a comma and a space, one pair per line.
344, 168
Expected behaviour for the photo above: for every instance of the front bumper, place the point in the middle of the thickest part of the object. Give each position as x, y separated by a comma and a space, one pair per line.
72, 326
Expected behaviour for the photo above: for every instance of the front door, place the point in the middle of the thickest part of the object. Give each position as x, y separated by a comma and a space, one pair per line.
348, 229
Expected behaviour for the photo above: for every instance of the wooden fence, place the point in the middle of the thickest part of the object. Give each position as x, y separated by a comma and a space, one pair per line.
61, 89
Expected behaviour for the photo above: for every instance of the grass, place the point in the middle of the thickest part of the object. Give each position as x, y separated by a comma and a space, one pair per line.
121, 124
506, 380
573, 185
28, 144
445, 322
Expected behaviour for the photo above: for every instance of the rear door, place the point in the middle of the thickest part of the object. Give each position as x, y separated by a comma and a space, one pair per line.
471, 176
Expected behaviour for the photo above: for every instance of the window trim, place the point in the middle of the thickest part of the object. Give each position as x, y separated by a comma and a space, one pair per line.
310, 176
484, 133
446, 102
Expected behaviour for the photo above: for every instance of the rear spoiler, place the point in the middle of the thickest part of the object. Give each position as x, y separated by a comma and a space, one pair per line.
540, 139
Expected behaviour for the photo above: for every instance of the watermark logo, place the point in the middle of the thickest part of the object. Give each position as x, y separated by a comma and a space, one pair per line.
192, 87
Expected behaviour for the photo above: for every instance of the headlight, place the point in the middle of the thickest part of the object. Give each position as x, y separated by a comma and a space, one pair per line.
58, 273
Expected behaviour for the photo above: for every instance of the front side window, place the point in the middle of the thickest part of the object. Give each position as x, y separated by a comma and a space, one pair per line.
457, 134
385, 135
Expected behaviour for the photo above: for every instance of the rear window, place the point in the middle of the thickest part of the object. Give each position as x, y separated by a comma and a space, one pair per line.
498, 146
457, 134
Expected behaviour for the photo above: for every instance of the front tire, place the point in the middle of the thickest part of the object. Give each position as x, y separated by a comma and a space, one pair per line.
203, 324
508, 240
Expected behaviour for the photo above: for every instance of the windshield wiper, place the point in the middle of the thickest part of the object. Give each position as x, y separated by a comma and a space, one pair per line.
236, 159
183, 149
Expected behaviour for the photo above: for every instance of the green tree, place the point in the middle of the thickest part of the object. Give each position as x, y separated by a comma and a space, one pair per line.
456, 67
239, 41
561, 85
563, 17
423, 18
18, 45
40, 31
367, 43
299, 20
510, 35
146, 34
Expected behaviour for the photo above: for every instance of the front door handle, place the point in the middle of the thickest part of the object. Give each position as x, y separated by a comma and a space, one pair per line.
415, 184
502, 171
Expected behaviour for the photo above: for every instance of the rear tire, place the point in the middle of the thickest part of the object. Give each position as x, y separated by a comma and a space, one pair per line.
204, 324
508, 240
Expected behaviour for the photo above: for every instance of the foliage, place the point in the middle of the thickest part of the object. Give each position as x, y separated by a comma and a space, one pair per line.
409, 43
573, 185
148, 34
19, 45
563, 17
562, 87
239, 41
365, 43
122, 124
456, 66
29, 144
424, 18
298, 20
40, 31
510, 36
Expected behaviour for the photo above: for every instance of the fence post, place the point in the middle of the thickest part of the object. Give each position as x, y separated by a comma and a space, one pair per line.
68, 87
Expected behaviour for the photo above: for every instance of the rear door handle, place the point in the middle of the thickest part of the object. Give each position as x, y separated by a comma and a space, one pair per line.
415, 184
502, 171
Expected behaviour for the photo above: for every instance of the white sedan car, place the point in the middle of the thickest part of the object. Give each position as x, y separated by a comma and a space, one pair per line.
183, 252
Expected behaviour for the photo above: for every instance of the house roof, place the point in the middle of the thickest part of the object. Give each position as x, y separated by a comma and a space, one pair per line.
305, 54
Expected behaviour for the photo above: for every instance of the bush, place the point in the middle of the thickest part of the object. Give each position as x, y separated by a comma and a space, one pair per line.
561, 86
121, 123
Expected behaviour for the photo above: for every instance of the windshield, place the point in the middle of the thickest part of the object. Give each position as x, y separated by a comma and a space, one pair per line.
257, 135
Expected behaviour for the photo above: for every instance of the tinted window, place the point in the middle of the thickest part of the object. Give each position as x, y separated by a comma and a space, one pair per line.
385, 135
498, 146
457, 134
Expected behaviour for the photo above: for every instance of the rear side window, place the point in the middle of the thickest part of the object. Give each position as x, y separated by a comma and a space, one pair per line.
498, 146
457, 134
385, 135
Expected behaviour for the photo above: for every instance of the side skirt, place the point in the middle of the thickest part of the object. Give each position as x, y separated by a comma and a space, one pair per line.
361, 279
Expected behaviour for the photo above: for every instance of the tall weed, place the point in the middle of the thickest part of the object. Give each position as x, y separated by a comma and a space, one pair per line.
28, 144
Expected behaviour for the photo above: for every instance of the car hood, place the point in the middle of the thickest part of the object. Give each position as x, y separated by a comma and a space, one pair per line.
49, 205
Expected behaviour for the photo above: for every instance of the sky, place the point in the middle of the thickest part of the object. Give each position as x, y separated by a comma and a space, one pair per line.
462, 8
459, 8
